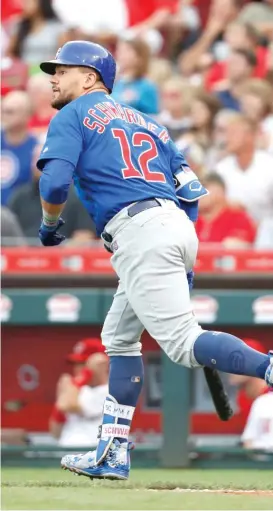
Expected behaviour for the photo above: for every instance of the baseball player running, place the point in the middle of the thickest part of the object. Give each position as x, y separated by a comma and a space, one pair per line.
143, 199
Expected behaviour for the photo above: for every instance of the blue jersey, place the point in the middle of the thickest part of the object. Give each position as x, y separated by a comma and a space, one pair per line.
119, 155
16, 165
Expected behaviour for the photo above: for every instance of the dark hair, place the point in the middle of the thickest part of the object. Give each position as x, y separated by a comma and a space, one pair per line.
214, 178
24, 27
212, 103
248, 55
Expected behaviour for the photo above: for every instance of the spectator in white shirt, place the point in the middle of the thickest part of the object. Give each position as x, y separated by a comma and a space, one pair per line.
247, 171
258, 433
77, 412
256, 103
217, 149
264, 238
176, 97
92, 17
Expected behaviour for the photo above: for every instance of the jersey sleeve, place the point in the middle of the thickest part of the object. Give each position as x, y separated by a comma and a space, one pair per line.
187, 185
64, 138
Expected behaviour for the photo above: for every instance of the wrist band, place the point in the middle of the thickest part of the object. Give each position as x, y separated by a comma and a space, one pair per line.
83, 378
50, 220
57, 415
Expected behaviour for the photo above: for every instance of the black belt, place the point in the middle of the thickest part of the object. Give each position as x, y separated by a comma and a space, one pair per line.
142, 206
132, 211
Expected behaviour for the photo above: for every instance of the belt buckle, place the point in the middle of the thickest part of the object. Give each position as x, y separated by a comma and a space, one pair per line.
106, 237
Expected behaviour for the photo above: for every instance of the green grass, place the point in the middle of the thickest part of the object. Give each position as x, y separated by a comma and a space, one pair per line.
50, 489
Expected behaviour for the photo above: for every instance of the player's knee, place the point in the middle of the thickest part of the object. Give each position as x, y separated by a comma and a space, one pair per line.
181, 352
182, 357
118, 346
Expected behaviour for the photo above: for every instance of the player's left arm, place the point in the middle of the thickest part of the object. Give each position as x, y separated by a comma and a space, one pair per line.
189, 190
58, 161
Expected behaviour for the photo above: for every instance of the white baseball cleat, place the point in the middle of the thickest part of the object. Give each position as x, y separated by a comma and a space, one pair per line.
115, 465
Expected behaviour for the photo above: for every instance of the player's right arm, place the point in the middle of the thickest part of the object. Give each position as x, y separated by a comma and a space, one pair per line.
58, 160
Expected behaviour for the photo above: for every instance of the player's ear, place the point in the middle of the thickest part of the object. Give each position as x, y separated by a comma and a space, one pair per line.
90, 79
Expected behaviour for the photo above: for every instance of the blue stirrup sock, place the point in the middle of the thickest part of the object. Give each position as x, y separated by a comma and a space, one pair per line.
125, 384
229, 354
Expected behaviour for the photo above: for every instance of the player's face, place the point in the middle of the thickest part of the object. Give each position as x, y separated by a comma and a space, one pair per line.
67, 84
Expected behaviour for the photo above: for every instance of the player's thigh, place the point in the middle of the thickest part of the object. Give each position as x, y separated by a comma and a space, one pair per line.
153, 270
122, 329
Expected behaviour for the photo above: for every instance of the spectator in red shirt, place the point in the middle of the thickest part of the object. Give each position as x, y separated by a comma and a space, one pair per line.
10, 8
150, 14
14, 75
249, 388
237, 36
218, 222
221, 13
40, 91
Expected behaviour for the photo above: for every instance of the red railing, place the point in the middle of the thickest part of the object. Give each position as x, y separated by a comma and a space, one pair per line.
95, 260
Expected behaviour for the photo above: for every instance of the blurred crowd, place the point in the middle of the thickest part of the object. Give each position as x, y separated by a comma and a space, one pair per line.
80, 394
202, 68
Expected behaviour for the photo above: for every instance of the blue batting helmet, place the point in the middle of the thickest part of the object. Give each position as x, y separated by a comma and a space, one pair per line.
84, 54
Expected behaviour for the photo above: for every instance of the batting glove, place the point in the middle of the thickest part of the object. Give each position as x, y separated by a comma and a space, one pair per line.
190, 278
49, 235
